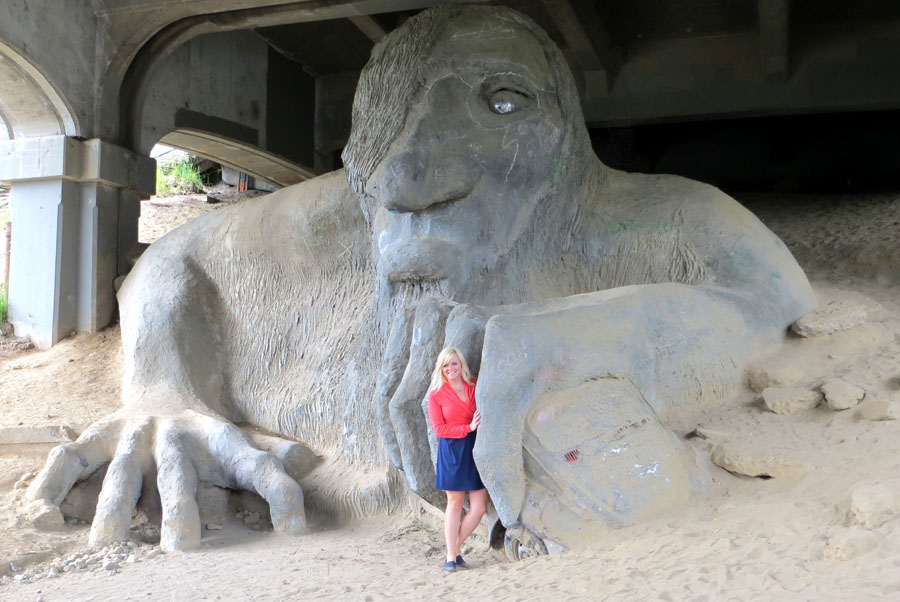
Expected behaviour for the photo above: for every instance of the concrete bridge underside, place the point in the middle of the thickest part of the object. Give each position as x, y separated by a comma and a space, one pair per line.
265, 86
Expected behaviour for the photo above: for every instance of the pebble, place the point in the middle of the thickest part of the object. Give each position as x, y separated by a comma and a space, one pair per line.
790, 400
110, 565
213, 527
841, 395
830, 318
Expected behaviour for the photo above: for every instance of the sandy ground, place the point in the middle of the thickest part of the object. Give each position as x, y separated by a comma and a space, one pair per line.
791, 537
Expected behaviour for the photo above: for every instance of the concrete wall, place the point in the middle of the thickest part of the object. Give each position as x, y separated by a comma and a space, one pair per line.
215, 83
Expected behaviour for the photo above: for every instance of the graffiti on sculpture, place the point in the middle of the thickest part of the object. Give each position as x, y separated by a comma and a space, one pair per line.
473, 213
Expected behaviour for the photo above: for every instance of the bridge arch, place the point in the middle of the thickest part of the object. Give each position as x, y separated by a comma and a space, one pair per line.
238, 155
30, 105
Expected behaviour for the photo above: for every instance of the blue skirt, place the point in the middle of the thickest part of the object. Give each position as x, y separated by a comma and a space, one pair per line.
456, 470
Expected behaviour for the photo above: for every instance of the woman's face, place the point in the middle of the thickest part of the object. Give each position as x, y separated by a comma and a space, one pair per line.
452, 369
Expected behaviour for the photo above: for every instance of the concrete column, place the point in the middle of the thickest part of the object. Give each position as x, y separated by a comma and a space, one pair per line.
74, 210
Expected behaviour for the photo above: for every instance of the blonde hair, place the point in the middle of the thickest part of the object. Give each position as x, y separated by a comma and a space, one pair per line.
437, 377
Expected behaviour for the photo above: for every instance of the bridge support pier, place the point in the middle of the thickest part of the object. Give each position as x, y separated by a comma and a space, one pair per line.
75, 205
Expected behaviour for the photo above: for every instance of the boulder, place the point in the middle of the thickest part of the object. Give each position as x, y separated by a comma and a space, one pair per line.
841, 395
757, 461
872, 505
790, 400
44, 515
830, 318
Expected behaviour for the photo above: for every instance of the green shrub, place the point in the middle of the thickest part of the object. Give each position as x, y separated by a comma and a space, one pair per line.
178, 177
4, 304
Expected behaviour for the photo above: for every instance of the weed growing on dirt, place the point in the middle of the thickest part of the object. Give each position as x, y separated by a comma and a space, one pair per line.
178, 177
4, 304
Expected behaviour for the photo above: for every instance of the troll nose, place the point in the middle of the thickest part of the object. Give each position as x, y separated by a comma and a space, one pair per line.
398, 182
412, 180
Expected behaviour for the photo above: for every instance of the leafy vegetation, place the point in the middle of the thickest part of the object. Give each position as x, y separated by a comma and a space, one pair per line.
4, 303
178, 177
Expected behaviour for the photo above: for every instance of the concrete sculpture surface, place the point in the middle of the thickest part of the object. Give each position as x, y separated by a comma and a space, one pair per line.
591, 301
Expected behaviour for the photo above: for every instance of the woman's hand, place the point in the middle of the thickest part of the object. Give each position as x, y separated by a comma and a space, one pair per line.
476, 420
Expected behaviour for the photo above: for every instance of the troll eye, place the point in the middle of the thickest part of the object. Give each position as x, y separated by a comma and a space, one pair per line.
504, 102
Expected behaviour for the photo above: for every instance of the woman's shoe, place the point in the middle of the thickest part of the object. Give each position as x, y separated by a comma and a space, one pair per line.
461, 564
450, 566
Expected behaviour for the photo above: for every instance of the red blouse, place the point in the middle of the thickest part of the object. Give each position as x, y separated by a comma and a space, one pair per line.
450, 416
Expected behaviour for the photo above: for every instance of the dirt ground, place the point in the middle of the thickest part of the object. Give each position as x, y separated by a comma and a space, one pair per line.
792, 537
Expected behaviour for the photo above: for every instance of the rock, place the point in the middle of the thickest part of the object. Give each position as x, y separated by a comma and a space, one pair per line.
213, 503
754, 461
44, 515
131, 559
24, 480
872, 506
152, 554
790, 400
880, 410
251, 519
842, 395
850, 543
762, 376
110, 565
19, 435
213, 527
830, 318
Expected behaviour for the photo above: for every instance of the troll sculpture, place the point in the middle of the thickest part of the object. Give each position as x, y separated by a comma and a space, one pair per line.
473, 212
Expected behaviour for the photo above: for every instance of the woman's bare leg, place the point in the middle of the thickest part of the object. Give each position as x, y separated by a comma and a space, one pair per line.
477, 508
452, 525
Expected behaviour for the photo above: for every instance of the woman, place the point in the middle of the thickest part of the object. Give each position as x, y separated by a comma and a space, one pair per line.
454, 418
